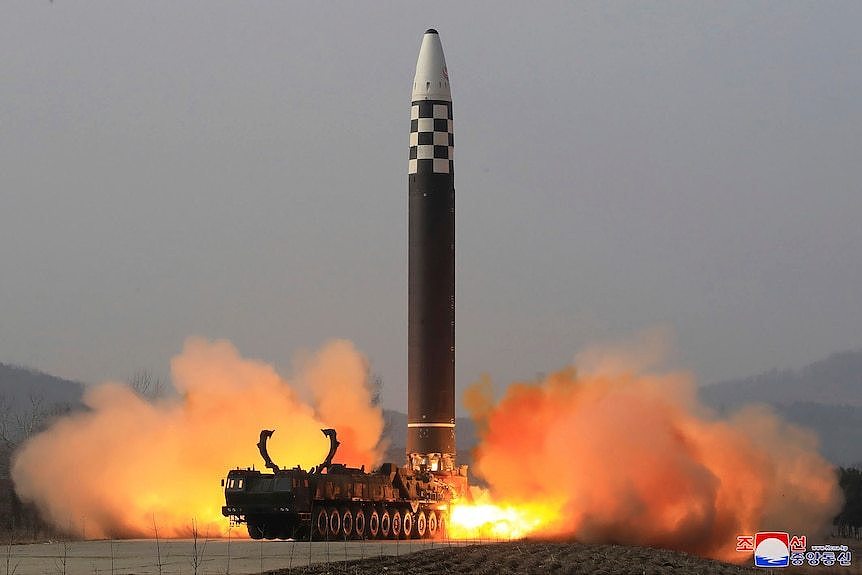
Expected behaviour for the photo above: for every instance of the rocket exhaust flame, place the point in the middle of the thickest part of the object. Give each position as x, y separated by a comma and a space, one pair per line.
128, 463
485, 519
619, 452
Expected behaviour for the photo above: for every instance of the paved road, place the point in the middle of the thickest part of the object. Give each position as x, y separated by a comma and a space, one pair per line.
216, 556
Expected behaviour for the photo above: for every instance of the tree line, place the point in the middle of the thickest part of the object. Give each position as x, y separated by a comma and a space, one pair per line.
848, 523
19, 520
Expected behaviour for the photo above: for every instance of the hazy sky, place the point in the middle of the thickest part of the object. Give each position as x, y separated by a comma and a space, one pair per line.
238, 170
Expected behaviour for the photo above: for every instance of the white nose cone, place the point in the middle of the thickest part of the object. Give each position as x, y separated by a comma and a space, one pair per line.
432, 79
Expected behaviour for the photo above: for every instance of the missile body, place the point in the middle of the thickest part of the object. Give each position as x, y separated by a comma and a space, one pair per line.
431, 283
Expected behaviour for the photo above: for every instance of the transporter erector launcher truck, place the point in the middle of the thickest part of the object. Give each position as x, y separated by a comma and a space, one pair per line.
331, 500
431, 283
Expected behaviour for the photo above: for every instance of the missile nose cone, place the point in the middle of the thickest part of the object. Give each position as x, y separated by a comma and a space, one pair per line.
432, 78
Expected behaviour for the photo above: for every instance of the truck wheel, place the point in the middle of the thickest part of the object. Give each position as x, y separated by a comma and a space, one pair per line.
255, 531
359, 523
385, 525
321, 524
421, 525
334, 523
396, 524
407, 524
373, 525
432, 525
346, 523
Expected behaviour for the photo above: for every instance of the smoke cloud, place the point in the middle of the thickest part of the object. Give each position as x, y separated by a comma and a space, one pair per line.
621, 451
618, 450
128, 464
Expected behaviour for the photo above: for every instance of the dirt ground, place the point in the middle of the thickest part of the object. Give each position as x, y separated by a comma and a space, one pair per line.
238, 557
528, 558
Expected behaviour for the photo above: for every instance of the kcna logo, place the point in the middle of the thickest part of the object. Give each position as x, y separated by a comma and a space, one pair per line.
771, 548
778, 549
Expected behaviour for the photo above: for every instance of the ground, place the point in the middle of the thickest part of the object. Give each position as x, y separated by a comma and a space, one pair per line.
246, 557
528, 557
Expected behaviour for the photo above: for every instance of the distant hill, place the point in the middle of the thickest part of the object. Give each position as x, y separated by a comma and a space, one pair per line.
836, 380
839, 428
19, 384
28, 399
825, 396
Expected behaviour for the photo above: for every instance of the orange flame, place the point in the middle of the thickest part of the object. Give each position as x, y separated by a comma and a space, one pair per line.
484, 519
622, 453
129, 466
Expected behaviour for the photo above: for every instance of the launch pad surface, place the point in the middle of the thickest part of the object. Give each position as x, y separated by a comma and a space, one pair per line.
216, 556
521, 557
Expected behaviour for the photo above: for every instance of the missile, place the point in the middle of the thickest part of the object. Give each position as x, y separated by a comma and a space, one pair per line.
431, 254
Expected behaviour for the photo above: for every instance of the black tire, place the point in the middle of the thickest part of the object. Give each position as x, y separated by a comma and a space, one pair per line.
334, 523
407, 524
320, 527
374, 525
432, 525
346, 523
385, 525
359, 523
395, 530
421, 525
255, 531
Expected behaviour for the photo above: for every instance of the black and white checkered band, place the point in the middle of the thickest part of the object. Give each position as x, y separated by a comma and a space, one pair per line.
431, 138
